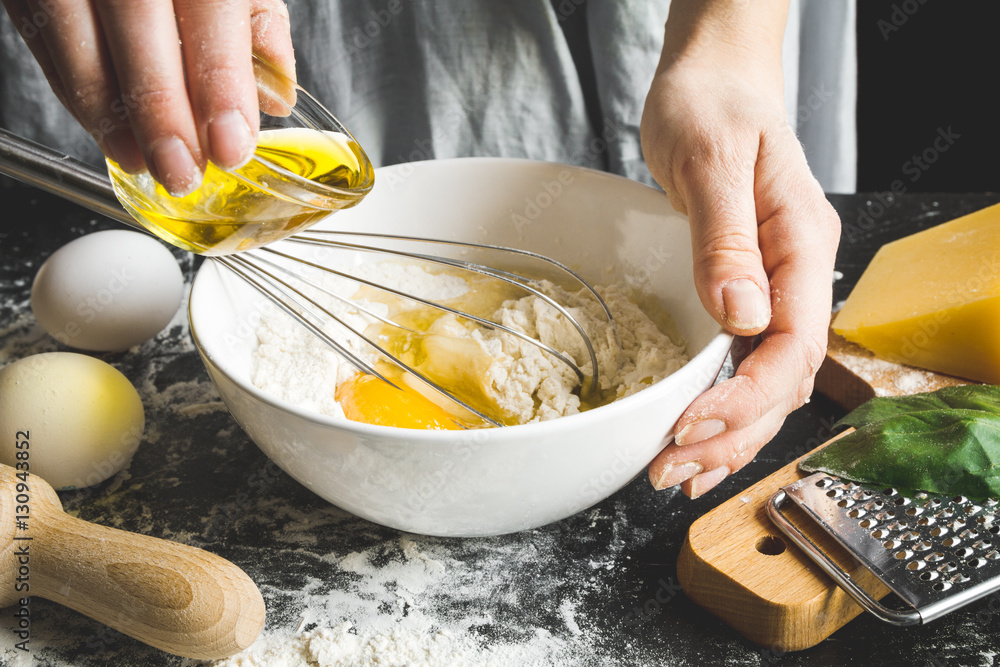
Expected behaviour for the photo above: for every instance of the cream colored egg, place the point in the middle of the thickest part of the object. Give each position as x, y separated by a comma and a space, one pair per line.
107, 291
70, 419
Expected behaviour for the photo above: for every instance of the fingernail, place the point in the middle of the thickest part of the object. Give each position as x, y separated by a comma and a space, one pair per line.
175, 168
673, 475
124, 151
746, 306
230, 140
707, 481
698, 431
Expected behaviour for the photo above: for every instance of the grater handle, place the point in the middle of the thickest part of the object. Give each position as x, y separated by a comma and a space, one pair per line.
842, 578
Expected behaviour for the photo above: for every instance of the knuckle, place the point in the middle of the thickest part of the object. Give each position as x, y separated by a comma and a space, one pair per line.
756, 400
742, 450
821, 219
90, 99
829, 225
726, 239
218, 75
813, 350
746, 448
740, 458
264, 12
693, 164
261, 7
151, 95
686, 168
703, 153
832, 218
726, 248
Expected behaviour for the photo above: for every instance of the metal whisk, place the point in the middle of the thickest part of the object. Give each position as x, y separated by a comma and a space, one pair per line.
281, 275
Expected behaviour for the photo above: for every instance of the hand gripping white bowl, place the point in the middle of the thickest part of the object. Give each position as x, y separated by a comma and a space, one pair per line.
492, 481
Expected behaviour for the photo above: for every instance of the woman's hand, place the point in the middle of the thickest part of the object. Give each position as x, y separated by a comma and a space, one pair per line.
764, 237
160, 84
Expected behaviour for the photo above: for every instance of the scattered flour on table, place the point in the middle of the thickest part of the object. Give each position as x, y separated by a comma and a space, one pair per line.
346, 646
525, 382
354, 627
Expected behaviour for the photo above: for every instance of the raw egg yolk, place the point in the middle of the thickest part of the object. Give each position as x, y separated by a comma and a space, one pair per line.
367, 399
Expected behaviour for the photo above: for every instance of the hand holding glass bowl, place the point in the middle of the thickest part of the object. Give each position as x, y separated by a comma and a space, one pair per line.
306, 165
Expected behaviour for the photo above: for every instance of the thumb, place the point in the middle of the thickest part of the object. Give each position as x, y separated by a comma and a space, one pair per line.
271, 32
728, 270
272, 42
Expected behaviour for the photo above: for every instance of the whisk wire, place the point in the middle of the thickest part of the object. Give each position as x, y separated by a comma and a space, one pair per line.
240, 264
475, 268
479, 246
354, 305
439, 306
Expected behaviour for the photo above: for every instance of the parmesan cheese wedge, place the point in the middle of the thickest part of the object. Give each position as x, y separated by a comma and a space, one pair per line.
932, 299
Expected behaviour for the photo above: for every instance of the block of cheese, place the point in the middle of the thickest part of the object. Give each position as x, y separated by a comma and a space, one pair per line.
932, 299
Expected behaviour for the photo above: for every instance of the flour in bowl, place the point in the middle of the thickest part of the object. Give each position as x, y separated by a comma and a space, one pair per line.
513, 378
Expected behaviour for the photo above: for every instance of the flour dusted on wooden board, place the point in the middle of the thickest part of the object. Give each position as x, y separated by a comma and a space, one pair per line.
524, 382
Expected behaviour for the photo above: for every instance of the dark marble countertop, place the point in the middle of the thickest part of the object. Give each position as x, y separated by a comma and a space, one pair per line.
598, 588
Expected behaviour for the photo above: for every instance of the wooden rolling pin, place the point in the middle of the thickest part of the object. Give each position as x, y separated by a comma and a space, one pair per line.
178, 598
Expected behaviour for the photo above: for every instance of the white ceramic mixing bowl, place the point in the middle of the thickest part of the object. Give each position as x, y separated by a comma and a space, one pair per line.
491, 481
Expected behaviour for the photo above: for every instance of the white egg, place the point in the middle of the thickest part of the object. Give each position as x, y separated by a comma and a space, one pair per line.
70, 419
107, 291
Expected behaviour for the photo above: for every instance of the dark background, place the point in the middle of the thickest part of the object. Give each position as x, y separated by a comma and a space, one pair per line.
938, 70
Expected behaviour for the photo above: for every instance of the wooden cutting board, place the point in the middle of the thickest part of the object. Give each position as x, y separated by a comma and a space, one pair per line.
850, 375
736, 564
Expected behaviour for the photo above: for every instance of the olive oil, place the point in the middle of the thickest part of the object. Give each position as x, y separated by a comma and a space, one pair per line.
297, 177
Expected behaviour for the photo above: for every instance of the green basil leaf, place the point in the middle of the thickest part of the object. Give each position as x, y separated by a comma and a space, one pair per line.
985, 397
942, 442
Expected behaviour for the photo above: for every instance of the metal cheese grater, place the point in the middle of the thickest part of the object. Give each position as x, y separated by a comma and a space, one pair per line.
937, 553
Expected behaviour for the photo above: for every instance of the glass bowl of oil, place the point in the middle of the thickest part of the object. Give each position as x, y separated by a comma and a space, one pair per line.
306, 166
